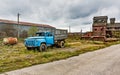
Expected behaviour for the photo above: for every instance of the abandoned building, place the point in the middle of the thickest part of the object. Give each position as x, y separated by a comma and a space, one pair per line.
11, 28
102, 30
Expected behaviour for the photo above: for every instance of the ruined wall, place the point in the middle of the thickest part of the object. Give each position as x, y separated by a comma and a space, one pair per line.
99, 26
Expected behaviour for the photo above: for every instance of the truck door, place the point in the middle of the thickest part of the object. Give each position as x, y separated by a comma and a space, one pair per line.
49, 39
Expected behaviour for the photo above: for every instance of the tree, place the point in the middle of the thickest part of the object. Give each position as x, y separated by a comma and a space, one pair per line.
24, 34
32, 31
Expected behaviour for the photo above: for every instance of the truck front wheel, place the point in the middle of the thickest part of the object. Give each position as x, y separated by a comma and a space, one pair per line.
28, 48
43, 47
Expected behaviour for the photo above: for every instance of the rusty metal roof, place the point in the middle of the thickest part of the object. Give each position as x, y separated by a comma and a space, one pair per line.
25, 23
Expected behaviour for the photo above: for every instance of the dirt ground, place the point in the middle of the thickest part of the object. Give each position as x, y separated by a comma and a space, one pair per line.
101, 62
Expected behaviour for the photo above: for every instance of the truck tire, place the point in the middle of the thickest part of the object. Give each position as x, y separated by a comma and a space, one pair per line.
42, 47
62, 44
28, 48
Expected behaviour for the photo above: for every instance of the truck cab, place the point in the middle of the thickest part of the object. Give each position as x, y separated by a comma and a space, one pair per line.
41, 41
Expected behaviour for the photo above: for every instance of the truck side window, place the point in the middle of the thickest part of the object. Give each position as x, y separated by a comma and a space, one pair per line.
40, 34
49, 34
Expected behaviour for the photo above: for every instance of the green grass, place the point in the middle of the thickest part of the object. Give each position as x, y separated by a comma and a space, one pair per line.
16, 57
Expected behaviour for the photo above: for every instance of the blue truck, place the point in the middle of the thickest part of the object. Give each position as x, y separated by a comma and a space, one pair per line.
43, 39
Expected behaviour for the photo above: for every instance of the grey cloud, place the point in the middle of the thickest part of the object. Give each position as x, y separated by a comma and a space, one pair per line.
81, 10
60, 13
14, 6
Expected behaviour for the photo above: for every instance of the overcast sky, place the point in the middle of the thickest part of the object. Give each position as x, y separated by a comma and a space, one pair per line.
77, 14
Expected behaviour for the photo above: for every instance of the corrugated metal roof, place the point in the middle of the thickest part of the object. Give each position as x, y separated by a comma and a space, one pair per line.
25, 23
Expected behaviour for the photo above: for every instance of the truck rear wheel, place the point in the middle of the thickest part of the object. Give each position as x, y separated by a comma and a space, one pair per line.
62, 44
43, 47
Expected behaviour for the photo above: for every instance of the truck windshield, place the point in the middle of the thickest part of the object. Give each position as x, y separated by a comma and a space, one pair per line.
40, 34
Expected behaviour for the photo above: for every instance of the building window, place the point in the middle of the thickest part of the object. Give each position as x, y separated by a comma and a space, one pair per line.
101, 29
95, 29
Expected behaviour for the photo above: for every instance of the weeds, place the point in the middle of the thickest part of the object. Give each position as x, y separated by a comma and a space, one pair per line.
16, 57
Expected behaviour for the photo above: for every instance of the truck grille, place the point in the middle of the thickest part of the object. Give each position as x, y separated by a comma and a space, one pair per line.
30, 43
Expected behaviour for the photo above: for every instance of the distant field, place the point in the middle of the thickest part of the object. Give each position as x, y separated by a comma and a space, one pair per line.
17, 56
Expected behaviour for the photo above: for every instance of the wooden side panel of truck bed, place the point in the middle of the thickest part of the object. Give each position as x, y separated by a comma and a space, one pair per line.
60, 34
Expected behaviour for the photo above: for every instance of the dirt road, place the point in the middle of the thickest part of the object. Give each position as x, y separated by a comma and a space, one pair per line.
102, 62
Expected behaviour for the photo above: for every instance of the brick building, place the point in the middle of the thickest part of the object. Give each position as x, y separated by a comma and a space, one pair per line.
102, 30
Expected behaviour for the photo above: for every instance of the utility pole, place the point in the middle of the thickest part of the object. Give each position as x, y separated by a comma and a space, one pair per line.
81, 33
18, 16
69, 29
